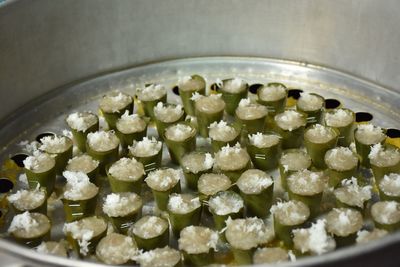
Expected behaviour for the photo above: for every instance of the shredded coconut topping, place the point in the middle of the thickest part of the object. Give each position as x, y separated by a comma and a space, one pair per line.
78, 186
247, 110
163, 179
102, 140
159, 257
261, 140
149, 227
130, 123
343, 221
39, 162
226, 202
390, 184
121, 204
290, 120
382, 156
168, 112
313, 239
55, 144
179, 132
352, 194
196, 96
369, 134
247, 233
81, 121
188, 83
320, 134
386, 212
23, 221
254, 181
115, 101
341, 158
145, 148
272, 93
116, 249
290, 213
339, 118
127, 169
210, 104
233, 86
365, 236
198, 239
232, 157
306, 183
151, 92
295, 160
27, 199
310, 102
183, 203
196, 162
221, 131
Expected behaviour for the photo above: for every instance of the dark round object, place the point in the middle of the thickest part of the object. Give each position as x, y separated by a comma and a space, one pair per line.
393, 133
19, 159
175, 90
254, 88
295, 93
6, 185
332, 103
364, 117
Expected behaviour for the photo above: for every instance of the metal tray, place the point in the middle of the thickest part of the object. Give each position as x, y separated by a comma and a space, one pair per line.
47, 114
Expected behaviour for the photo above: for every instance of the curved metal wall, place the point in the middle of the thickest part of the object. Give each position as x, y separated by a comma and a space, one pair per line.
45, 43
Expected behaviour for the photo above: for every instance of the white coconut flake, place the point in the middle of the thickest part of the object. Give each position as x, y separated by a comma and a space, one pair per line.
221, 131
369, 134
168, 113
365, 236
163, 179
196, 96
314, 239
179, 203
261, 140
390, 184
81, 121
235, 85
102, 140
310, 102
353, 194
224, 204
78, 185
118, 205
23, 221
82, 235
145, 148
179, 132
55, 144
290, 120
245, 102
151, 92
339, 118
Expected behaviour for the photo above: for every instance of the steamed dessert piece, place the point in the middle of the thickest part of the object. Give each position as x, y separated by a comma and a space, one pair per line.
233, 90
150, 232
40, 170
365, 136
198, 243
273, 96
58, 146
30, 228
343, 224
343, 120
290, 125
342, 164
115, 249
126, 175
208, 109
265, 150
82, 123
150, 95
384, 159
311, 104
251, 116
189, 85
113, 105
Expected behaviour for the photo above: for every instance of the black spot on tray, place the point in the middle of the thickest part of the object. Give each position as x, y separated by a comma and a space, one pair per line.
364, 117
175, 90
40, 136
254, 88
5, 185
214, 87
19, 159
294, 93
393, 133
332, 103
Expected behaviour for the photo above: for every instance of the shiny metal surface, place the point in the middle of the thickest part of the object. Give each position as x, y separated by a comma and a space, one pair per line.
47, 113
45, 44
